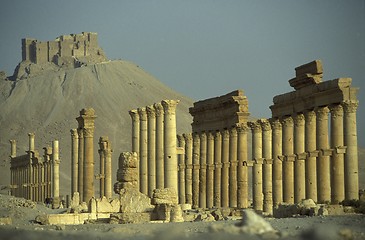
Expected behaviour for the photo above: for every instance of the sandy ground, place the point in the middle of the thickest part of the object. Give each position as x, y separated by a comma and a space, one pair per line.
23, 213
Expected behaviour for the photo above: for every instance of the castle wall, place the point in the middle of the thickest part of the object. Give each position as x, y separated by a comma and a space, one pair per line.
41, 54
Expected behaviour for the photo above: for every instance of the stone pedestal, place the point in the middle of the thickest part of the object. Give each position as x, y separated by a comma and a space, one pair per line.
257, 166
74, 161
159, 145
203, 171
242, 169
299, 164
277, 162
218, 169
233, 168
170, 157
189, 168
323, 160
225, 169
143, 167
210, 170
267, 165
311, 160
196, 167
337, 158
288, 163
151, 149
351, 156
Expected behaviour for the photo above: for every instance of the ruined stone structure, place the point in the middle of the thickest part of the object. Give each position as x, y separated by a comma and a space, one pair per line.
33, 178
105, 176
71, 50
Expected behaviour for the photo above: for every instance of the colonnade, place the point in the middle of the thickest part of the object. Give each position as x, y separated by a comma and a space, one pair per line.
154, 141
32, 178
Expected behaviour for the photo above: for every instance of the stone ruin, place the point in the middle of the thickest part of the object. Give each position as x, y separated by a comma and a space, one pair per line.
305, 153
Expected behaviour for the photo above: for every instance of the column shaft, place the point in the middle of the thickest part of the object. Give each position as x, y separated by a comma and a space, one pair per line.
225, 169
257, 166
182, 167
288, 164
218, 168
74, 160
56, 173
210, 170
242, 169
135, 133
143, 146
151, 151
311, 160
277, 161
299, 164
80, 186
108, 173
159, 146
189, 168
203, 171
196, 166
233, 168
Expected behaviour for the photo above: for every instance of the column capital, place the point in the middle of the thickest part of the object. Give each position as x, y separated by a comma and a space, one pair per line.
242, 128
88, 132
142, 113
255, 126
188, 137
86, 118
233, 132
299, 119
336, 110
287, 121
151, 112
74, 133
322, 112
210, 136
80, 132
31, 134
217, 134
275, 124
180, 138
265, 124
158, 109
169, 106
134, 115
225, 134
12, 141
310, 116
203, 136
350, 106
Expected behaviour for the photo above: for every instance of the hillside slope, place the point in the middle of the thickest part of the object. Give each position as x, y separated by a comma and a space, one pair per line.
49, 103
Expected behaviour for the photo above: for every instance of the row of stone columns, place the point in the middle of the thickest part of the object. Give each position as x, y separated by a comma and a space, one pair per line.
34, 179
105, 176
154, 141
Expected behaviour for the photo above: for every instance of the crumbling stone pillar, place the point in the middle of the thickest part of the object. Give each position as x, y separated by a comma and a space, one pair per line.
86, 123
74, 160
80, 185
189, 167
196, 167
277, 141
218, 168
102, 147
56, 174
151, 149
127, 174
351, 156
323, 161
242, 169
257, 166
13, 148
203, 171
312, 153
267, 165
170, 157
289, 157
31, 142
159, 145
210, 170
225, 169
299, 164
337, 159
182, 167
233, 167
143, 163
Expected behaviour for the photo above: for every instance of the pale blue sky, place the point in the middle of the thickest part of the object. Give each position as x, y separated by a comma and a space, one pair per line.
206, 48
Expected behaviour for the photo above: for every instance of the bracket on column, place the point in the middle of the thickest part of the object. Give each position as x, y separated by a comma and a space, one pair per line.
340, 149
289, 158
268, 161
180, 150
313, 154
302, 156
326, 152
258, 160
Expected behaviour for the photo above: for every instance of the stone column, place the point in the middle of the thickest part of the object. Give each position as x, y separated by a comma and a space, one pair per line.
13, 148
151, 149
337, 159
143, 162
182, 167
225, 169
277, 167
159, 145
80, 185
56, 174
210, 169
218, 168
242, 169
312, 153
233, 168
135, 130
267, 166
31, 142
351, 156
189, 167
108, 171
74, 160
102, 147
87, 118
196, 167
299, 164
257, 166
170, 157
203, 171
323, 161
289, 157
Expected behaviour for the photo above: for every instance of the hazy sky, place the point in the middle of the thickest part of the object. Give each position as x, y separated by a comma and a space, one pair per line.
206, 48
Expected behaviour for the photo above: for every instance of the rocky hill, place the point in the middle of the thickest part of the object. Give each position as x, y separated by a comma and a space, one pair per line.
48, 104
